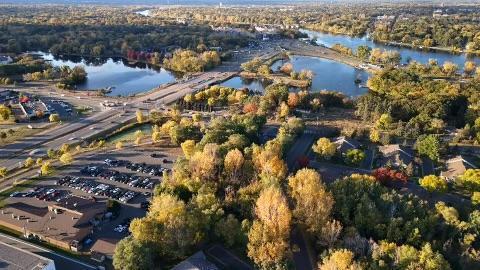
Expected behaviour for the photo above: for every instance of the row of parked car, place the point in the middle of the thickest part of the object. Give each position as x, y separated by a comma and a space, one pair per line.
42, 193
153, 170
129, 179
123, 227
94, 188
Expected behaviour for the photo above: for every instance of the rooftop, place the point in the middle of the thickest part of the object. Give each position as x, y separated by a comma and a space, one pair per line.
13, 258
197, 261
456, 166
396, 154
344, 144
65, 221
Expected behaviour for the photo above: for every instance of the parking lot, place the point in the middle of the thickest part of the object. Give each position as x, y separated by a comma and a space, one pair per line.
127, 176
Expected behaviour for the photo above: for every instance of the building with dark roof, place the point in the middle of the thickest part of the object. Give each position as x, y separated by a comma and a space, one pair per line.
345, 144
197, 261
396, 155
13, 258
65, 224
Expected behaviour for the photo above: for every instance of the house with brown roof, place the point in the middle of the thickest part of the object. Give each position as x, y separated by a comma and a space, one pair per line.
345, 144
65, 224
455, 167
396, 155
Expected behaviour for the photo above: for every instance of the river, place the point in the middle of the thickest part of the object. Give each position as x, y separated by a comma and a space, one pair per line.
407, 54
125, 79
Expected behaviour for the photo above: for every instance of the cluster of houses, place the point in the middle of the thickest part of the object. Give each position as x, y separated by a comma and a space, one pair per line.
401, 156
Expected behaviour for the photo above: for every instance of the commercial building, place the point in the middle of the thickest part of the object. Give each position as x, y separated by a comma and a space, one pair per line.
65, 223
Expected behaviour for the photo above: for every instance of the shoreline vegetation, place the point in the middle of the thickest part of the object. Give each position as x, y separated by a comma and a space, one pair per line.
451, 50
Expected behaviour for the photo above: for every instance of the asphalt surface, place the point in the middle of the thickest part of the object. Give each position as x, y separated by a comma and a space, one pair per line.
12, 155
61, 261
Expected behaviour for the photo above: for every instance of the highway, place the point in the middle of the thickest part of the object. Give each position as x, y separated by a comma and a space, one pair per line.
13, 155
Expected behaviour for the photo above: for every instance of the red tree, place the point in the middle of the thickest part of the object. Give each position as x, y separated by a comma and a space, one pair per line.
389, 177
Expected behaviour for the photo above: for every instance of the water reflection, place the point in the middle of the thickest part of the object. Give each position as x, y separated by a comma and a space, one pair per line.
407, 54
328, 75
125, 78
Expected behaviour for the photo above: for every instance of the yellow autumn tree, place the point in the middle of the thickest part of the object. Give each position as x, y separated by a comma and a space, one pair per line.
233, 164
268, 238
324, 148
342, 259
140, 116
66, 158
166, 225
188, 148
313, 203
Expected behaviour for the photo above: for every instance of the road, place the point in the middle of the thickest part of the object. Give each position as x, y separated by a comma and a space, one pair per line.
12, 155
61, 261
301, 257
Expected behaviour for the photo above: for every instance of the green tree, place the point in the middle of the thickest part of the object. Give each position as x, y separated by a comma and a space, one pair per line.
363, 51
433, 183
384, 122
374, 135
131, 254
354, 156
167, 225
429, 146
229, 230
51, 153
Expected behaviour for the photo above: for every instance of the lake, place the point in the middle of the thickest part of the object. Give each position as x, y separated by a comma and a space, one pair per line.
109, 72
407, 54
328, 75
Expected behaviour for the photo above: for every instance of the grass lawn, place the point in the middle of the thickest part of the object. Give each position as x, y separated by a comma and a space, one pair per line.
18, 133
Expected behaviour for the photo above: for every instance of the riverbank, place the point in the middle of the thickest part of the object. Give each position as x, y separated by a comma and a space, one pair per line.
295, 47
399, 44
